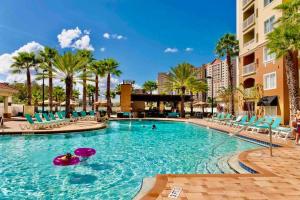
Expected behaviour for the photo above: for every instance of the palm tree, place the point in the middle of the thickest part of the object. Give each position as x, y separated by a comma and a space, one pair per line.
69, 65
284, 41
85, 54
150, 86
228, 46
59, 95
46, 58
110, 67
24, 61
91, 90
97, 68
196, 86
179, 79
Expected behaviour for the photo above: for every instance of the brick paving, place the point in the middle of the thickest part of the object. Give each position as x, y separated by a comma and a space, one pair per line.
278, 177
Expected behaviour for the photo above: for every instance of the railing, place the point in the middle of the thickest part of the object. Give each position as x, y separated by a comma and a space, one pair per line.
248, 69
249, 42
248, 22
249, 93
246, 2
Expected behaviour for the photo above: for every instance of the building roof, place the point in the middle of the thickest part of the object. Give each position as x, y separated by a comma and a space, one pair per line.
7, 88
158, 97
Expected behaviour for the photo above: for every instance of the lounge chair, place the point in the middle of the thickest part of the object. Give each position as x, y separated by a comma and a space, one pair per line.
173, 115
249, 123
62, 121
62, 116
238, 119
219, 117
282, 132
243, 120
32, 124
40, 120
127, 114
54, 121
75, 116
227, 118
266, 124
85, 116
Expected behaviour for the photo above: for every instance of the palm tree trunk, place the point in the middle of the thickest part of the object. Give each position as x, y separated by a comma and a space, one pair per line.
97, 91
230, 74
108, 108
69, 87
84, 90
29, 94
192, 107
50, 89
292, 81
182, 102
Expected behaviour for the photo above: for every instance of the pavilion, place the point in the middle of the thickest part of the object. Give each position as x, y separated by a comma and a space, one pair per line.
7, 92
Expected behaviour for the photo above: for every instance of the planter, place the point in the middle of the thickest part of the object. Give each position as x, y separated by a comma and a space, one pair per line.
29, 110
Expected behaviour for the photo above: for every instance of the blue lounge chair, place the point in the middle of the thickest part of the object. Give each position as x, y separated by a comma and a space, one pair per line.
61, 121
243, 120
238, 119
32, 124
266, 124
40, 120
173, 115
249, 123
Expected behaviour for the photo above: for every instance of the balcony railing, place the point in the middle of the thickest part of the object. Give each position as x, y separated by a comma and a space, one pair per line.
248, 22
249, 69
246, 2
250, 93
249, 42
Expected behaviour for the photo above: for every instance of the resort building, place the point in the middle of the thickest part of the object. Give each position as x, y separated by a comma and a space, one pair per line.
260, 74
201, 75
162, 79
218, 70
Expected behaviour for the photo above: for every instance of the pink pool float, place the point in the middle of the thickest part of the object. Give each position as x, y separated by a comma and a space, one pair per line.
60, 161
85, 152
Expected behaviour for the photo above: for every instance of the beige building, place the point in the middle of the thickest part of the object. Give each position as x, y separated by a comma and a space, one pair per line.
259, 72
162, 79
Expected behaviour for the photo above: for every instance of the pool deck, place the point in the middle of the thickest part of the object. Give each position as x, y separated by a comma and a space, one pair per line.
13, 128
277, 177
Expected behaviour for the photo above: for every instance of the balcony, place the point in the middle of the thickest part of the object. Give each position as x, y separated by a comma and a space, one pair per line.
249, 69
249, 42
248, 22
246, 2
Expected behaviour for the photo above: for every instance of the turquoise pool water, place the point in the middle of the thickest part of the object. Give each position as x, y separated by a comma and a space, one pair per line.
127, 152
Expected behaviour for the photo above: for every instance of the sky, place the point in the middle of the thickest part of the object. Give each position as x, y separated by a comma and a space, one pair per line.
144, 36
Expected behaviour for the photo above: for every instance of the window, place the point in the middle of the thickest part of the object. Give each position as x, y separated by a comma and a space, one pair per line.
271, 110
269, 24
267, 56
270, 81
267, 2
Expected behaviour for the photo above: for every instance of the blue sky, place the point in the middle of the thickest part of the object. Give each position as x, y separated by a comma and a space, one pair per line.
138, 31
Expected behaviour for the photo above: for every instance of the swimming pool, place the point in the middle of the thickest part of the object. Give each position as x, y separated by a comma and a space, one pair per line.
127, 151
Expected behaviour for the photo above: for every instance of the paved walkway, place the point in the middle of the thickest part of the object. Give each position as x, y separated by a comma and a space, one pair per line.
278, 177
13, 127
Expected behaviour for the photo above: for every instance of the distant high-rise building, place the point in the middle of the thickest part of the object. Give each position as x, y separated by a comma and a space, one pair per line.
162, 79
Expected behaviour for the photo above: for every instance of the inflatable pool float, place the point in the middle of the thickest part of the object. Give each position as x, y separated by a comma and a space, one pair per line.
85, 152
73, 161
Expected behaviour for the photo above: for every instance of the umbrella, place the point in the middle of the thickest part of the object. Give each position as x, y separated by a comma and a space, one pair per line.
47, 102
201, 103
102, 103
72, 103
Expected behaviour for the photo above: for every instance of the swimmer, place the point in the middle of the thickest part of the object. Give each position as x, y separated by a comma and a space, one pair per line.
67, 157
153, 126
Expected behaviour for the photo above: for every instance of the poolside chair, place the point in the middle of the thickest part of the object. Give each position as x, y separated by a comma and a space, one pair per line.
249, 123
219, 117
173, 115
75, 116
87, 117
32, 124
62, 116
265, 124
48, 119
62, 121
282, 132
214, 117
238, 119
243, 120
47, 123
226, 119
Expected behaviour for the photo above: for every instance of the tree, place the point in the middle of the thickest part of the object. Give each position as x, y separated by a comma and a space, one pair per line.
68, 65
150, 86
46, 58
91, 90
195, 86
59, 95
86, 55
228, 46
97, 68
284, 41
25, 61
110, 67
179, 79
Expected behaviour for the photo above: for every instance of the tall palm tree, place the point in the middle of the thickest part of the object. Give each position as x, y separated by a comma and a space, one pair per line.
25, 61
196, 86
179, 79
91, 90
46, 58
68, 65
228, 46
284, 41
97, 68
85, 54
59, 95
150, 86
110, 67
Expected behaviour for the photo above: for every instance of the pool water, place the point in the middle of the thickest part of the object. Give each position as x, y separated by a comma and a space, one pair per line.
127, 151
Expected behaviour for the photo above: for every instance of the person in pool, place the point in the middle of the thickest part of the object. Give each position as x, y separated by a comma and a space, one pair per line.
153, 126
67, 157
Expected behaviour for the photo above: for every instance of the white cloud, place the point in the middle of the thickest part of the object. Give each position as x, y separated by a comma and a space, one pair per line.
171, 50
102, 49
74, 38
6, 60
189, 49
114, 36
